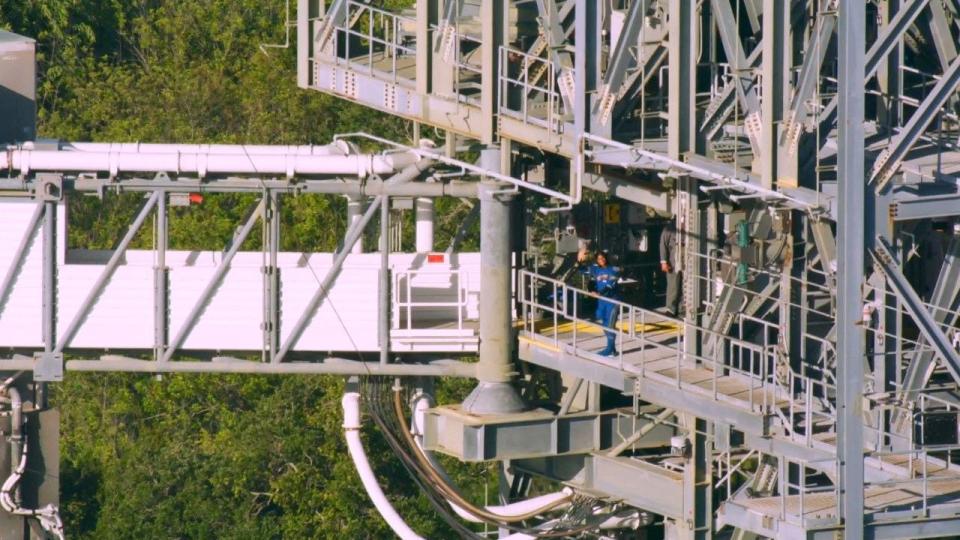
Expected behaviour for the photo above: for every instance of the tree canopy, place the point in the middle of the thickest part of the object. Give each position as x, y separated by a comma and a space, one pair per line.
211, 456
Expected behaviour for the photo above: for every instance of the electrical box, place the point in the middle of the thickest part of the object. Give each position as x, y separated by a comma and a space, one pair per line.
18, 75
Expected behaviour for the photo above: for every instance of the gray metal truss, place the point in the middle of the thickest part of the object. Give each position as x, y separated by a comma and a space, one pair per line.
887, 262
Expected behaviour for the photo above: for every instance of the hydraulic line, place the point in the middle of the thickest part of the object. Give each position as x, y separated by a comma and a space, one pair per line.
418, 470
452, 493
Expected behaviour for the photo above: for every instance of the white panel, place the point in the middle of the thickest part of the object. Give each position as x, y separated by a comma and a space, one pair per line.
122, 317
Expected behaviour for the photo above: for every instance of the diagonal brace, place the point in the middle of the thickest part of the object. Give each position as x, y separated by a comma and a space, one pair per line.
214, 283
107, 273
883, 256
353, 235
889, 161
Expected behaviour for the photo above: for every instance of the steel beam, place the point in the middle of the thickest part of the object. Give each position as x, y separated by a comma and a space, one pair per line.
621, 59
383, 308
807, 81
160, 281
931, 330
536, 433
722, 106
106, 274
16, 263
851, 240
332, 366
943, 40
492, 38
201, 304
775, 82
889, 161
49, 284
271, 276
888, 38
925, 207
746, 89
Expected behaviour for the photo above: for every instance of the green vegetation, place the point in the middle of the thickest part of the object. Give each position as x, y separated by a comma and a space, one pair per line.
197, 457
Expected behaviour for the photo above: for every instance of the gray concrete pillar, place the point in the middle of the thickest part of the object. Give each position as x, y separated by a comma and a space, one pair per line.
495, 392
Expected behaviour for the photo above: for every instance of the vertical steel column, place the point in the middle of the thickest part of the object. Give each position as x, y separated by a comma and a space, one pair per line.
492, 37
271, 276
851, 242
50, 277
383, 312
775, 82
426, 19
160, 279
888, 73
585, 62
495, 392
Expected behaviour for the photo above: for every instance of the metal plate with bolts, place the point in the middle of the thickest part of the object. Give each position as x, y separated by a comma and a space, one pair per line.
48, 367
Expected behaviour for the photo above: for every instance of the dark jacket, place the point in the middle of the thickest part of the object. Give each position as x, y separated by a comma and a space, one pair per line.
668, 245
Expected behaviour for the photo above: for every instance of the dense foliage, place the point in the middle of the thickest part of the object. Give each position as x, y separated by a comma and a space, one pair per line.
193, 457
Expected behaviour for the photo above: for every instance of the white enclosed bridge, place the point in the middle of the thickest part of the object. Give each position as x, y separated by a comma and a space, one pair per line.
434, 304
264, 311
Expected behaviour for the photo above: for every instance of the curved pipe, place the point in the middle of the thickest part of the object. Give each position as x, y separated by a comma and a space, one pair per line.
49, 515
512, 512
351, 427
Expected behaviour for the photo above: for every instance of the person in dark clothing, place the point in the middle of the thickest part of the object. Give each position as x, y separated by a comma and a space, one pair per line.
606, 280
668, 263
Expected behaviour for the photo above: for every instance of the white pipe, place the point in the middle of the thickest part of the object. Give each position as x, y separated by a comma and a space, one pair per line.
355, 209
203, 163
421, 402
335, 149
424, 219
351, 427
49, 515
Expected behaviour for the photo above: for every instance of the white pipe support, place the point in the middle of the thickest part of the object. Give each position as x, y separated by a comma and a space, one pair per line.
424, 224
351, 427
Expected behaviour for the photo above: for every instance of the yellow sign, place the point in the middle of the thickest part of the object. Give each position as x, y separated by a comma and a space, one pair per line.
611, 213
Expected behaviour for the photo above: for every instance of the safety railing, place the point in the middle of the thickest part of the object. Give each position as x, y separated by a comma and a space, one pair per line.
797, 489
375, 39
528, 89
645, 336
407, 301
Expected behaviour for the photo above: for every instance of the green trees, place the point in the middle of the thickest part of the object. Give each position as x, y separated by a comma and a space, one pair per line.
195, 457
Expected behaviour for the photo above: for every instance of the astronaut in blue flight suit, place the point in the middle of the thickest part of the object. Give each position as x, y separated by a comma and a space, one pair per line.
606, 279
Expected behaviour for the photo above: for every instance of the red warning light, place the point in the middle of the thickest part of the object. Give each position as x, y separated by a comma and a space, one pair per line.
435, 258
196, 198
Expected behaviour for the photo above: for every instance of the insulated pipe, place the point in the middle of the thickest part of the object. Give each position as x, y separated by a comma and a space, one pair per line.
204, 163
351, 428
335, 149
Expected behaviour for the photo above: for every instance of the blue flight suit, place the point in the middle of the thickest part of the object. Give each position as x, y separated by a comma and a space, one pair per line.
607, 280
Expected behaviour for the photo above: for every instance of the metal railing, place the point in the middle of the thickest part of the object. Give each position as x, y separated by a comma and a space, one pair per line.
528, 89
373, 38
406, 305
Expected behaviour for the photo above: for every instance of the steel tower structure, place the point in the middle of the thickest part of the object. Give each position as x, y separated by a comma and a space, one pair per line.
806, 152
